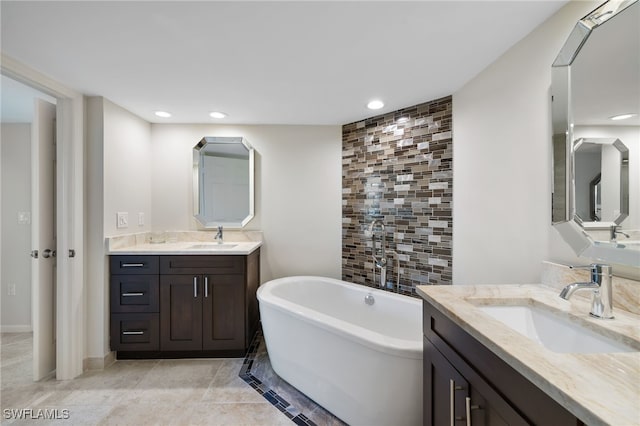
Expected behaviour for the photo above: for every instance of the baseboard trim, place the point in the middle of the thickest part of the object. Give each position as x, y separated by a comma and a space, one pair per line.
15, 329
99, 363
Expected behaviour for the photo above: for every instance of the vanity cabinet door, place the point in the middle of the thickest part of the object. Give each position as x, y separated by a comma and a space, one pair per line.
223, 326
444, 390
180, 312
451, 397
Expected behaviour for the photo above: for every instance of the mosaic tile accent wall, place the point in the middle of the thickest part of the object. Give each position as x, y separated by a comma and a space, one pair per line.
397, 168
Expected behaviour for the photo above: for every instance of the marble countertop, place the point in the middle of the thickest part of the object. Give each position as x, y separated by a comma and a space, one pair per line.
599, 389
191, 247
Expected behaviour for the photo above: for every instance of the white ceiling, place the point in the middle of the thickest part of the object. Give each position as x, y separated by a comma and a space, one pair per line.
296, 62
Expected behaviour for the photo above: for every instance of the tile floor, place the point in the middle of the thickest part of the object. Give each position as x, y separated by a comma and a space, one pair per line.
141, 392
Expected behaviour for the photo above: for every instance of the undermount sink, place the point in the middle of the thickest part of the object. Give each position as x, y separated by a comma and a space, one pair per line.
555, 333
211, 246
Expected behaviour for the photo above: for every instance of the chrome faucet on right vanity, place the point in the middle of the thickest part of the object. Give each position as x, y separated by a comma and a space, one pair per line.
600, 284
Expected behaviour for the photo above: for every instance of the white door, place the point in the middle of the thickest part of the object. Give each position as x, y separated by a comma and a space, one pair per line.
43, 266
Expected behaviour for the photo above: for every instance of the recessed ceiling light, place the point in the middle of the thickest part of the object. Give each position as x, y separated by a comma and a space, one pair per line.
375, 104
217, 114
163, 114
622, 116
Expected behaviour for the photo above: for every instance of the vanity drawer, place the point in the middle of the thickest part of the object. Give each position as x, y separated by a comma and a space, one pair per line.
135, 293
135, 332
134, 265
215, 264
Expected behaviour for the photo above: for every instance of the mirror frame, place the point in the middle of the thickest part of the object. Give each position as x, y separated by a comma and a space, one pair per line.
563, 216
197, 188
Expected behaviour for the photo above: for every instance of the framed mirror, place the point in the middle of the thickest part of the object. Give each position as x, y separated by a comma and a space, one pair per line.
600, 181
596, 135
223, 182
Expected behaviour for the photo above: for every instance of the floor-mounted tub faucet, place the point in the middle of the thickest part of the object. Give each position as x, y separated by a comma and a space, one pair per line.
600, 284
380, 262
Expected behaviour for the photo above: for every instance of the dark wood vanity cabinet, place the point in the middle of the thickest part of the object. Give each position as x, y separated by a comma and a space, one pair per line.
463, 378
201, 305
135, 306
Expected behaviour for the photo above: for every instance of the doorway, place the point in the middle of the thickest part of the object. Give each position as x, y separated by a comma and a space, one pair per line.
28, 217
69, 216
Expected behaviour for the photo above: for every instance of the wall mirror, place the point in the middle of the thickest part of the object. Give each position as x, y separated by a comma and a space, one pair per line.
601, 180
223, 182
596, 135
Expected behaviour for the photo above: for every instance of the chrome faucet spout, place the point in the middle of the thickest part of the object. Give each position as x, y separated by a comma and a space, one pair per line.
219, 235
615, 231
568, 291
601, 287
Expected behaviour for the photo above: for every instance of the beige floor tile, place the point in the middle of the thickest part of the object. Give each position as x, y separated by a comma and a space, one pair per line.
145, 414
228, 387
137, 392
234, 414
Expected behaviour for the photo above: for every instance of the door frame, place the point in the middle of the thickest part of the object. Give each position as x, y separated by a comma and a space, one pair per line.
70, 297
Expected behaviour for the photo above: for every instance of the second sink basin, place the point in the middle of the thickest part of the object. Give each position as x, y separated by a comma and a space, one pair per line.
211, 246
554, 332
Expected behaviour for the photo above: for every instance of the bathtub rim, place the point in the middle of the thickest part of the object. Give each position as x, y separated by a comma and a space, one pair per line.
411, 349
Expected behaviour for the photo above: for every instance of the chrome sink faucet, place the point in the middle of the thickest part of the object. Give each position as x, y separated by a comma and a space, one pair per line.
615, 232
380, 262
218, 236
600, 284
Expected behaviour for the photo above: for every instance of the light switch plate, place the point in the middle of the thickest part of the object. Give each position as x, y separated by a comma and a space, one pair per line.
141, 219
122, 220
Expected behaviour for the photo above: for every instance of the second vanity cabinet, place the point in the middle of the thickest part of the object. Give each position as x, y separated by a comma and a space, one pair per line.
467, 384
183, 305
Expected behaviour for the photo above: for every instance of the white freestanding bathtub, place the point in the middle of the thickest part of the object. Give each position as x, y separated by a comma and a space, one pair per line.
361, 362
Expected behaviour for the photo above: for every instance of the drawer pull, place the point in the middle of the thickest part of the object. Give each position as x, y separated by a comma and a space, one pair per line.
134, 333
132, 294
132, 265
206, 286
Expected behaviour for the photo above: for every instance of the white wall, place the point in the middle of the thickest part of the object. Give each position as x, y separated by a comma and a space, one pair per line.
15, 153
502, 162
127, 169
118, 180
298, 191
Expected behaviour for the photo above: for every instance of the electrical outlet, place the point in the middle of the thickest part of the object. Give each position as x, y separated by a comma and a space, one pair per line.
11, 289
24, 218
141, 219
122, 220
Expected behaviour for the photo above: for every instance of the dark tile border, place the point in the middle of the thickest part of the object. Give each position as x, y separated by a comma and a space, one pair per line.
276, 400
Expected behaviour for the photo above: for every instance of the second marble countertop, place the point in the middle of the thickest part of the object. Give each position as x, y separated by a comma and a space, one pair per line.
598, 388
